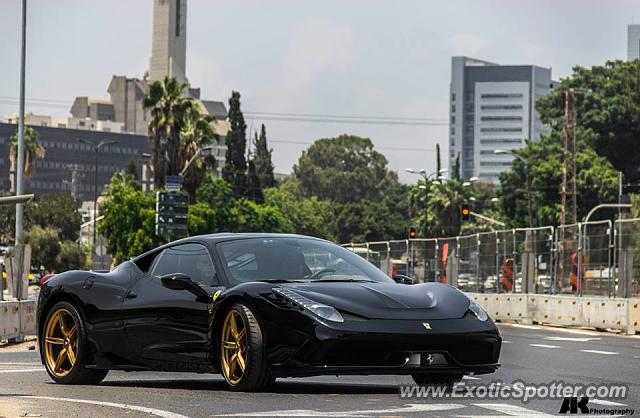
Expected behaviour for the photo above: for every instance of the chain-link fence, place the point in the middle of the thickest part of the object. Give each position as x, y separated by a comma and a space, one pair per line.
597, 259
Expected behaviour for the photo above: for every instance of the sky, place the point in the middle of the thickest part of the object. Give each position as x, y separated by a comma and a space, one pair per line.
369, 58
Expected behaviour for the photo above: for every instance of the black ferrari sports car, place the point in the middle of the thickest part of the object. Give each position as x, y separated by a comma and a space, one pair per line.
255, 307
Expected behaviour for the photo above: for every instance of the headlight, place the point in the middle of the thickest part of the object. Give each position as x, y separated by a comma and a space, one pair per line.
323, 311
478, 311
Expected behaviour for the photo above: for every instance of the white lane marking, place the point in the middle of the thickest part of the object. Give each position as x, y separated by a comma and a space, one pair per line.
471, 378
579, 340
552, 329
511, 410
22, 370
409, 408
606, 403
544, 346
506, 342
17, 363
599, 352
152, 411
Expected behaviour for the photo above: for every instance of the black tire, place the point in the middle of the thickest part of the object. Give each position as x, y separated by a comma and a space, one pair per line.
256, 376
447, 380
78, 373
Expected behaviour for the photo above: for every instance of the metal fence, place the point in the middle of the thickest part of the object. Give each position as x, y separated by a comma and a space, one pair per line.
600, 258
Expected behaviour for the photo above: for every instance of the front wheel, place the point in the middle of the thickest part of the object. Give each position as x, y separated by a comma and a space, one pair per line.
242, 353
65, 348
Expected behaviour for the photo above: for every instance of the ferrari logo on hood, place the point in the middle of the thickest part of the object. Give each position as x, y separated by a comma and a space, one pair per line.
426, 326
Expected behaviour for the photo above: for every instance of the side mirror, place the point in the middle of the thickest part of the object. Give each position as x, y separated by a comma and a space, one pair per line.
180, 281
402, 279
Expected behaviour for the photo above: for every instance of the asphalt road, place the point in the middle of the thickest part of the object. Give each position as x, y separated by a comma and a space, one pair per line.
530, 354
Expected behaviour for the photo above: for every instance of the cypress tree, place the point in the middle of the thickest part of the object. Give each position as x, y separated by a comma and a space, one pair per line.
235, 167
254, 191
262, 159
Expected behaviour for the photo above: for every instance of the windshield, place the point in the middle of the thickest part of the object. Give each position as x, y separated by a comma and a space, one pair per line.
295, 259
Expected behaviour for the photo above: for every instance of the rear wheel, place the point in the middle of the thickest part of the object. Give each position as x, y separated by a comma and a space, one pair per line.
447, 380
242, 355
65, 349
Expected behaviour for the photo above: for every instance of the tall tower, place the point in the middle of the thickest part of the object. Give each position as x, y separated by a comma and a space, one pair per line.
169, 43
633, 42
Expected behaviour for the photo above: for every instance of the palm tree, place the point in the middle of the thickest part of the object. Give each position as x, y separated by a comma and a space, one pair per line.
32, 151
196, 132
444, 207
167, 105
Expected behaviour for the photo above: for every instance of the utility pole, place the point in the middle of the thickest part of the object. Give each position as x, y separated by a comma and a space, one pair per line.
20, 167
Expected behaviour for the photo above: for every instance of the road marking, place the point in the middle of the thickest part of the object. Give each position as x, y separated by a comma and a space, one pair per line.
511, 410
409, 408
152, 411
599, 352
19, 364
606, 403
579, 340
566, 330
471, 378
544, 346
41, 369
506, 342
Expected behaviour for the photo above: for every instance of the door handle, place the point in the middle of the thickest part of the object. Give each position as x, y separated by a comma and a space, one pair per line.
131, 295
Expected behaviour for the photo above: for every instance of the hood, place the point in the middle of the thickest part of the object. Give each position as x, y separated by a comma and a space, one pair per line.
388, 300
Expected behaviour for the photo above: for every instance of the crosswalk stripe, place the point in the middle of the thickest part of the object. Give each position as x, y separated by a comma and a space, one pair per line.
544, 346
599, 352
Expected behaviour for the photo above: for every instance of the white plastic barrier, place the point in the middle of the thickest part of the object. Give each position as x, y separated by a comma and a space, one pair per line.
591, 311
17, 318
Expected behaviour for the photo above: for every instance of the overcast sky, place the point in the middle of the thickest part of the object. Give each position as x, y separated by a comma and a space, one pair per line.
338, 57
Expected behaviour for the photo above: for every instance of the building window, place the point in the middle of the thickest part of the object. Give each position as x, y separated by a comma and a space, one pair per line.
501, 118
500, 141
501, 107
500, 129
495, 164
501, 96
177, 17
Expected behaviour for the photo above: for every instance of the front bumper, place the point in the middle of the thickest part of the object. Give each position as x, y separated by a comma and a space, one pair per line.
392, 346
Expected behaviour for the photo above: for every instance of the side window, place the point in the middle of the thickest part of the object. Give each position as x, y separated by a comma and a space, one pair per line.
190, 259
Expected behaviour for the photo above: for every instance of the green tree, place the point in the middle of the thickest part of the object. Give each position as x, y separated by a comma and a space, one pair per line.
442, 217
235, 168
254, 189
307, 215
129, 219
607, 109
343, 169
32, 150
438, 160
167, 106
72, 256
196, 133
596, 181
45, 246
262, 159
56, 210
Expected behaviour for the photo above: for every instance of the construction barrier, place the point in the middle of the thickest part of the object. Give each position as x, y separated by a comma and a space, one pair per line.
588, 311
17, 319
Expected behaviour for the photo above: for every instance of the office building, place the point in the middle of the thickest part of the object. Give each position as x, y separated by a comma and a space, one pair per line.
492, 107
633, 42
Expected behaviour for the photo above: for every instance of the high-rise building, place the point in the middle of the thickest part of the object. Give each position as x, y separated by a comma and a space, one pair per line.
633, 42
169, 42
492, 107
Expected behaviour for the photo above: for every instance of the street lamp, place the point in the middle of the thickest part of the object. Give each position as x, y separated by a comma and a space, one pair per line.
208, 150
528, 178
96, 149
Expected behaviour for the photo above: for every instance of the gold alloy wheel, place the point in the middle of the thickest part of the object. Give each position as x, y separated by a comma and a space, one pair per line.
61, 342
233, 347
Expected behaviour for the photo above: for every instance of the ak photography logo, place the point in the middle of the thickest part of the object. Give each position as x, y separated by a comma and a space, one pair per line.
574, 405
571, 405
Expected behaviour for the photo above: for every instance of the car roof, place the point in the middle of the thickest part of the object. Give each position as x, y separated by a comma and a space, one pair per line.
224, 236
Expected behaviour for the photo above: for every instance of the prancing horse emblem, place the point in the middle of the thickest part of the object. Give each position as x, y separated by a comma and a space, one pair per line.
426, 325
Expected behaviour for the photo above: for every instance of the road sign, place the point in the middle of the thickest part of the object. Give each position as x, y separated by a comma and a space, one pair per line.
172, 209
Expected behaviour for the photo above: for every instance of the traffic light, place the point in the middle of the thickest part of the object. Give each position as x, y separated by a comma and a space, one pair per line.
171, 214
413, 232
465, 211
